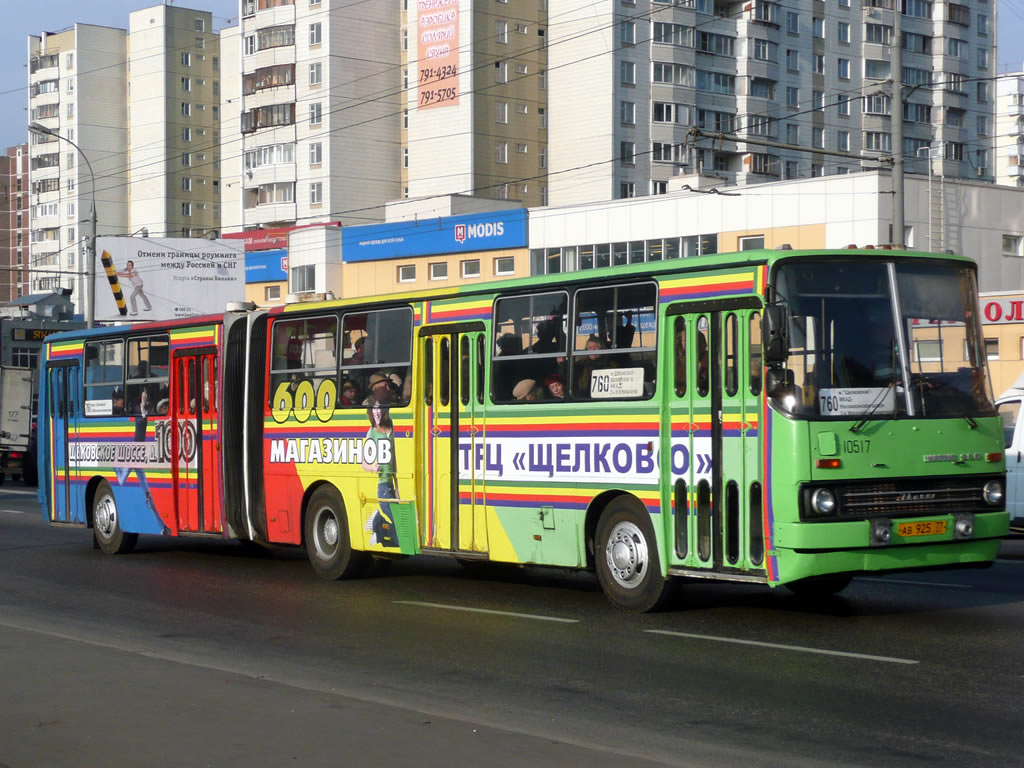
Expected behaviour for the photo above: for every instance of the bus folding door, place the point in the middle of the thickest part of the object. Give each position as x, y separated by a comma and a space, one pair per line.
453, 512
194, 445
65, 493
715, 448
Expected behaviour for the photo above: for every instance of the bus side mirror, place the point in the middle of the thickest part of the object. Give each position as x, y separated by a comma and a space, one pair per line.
776, 334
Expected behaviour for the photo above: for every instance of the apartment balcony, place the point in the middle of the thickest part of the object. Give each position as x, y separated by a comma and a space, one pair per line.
943, 98
1015, 171
1012, 110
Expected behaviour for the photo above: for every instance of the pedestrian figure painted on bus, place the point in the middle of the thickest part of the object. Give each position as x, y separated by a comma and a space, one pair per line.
136, 280
381, 434
122, 473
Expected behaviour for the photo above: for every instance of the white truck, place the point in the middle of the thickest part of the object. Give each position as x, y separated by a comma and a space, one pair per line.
15, 422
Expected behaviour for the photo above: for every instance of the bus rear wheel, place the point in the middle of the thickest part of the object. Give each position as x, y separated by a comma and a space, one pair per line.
106, 526
327, 541
626, 557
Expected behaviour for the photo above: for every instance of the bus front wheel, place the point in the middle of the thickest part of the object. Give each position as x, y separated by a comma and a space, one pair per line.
327, 541
627, 561
106, 526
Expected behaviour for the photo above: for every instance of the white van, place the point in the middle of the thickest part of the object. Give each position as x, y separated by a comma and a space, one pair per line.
1011, 412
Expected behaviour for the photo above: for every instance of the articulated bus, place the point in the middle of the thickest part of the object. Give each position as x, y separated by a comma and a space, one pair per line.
774, 417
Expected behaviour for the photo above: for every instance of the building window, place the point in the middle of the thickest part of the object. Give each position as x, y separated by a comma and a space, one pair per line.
627, 32
501, 32
186, 59
843, 67
542, 157
316, 193
315, 153
1013, 245
272, 293
315, 33
504, 265
186, 209
501, 152
186, 134
405, 157
627, 72
627, 189
501, 112
843, 102
315, 113
818, 137
627, 112
818, 25
542, 118
186, 108
470, 268
303, 279
186, 159
793, 23
627, 152
843, 31
186, 183
316, 73
792, 96
843, 141
439, 270
186, 83
751, 242
407, 273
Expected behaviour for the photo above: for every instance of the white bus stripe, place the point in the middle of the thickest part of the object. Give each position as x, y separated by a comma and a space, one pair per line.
779, 646
486, 610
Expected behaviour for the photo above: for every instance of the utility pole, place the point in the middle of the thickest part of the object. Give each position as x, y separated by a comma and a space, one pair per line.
896, 58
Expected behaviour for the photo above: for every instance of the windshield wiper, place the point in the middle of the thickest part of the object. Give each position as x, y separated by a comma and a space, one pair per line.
859, 425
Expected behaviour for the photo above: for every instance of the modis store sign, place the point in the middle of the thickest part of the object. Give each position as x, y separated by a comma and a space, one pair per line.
1002, 311
430, 237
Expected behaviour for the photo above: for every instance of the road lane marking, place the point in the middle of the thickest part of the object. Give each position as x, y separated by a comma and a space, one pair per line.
781, 647
17, 491
487, 610
918, 583
13, 511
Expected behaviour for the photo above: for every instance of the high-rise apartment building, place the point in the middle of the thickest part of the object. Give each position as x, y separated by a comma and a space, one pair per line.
77, 91
14, 229
475, 117
174, 122
1010, 129
129, 122
319, 114
629, 77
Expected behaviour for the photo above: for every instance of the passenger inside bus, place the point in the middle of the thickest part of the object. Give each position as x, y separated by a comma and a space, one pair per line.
525, 390
592, 362
350, 393
117, 402
555, 387
384, 388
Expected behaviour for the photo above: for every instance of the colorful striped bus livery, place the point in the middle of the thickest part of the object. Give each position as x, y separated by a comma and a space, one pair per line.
775, 417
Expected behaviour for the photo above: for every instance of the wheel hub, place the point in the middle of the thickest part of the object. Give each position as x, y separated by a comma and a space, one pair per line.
627, 555
330, 532
106, 517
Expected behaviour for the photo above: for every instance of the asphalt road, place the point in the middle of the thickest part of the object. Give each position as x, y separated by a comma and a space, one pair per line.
193, 652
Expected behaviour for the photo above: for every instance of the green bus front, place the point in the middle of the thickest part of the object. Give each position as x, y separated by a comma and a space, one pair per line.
883, 449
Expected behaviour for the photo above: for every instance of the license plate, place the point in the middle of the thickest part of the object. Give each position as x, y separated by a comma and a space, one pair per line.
922, 528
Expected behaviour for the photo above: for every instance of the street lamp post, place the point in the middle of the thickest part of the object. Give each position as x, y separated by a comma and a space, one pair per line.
91, 246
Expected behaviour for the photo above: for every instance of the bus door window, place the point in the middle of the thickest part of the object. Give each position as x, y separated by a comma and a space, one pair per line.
731, 361
480, 369
529, 345
679, 356
703, 356
756, 363
428, 370
444, 369
465, 390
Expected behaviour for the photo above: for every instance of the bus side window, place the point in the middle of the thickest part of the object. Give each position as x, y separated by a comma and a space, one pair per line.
755, 353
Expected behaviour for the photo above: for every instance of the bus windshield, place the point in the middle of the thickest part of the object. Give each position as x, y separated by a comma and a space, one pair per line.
853, 353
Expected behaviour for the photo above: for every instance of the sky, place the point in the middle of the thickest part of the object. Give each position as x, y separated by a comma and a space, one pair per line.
35, 16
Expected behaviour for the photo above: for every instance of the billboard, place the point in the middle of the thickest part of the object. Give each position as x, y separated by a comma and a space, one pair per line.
166, 278
437, 51
428, 237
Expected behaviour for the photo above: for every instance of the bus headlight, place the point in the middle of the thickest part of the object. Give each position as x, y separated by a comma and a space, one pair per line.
823, 501
992, 492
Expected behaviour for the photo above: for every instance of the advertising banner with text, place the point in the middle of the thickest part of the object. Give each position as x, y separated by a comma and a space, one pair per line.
167, 278
437, 53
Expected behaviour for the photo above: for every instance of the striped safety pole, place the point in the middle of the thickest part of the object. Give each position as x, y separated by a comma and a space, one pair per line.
115, 284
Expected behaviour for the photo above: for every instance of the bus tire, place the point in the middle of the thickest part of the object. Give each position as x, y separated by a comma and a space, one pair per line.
106, 526
820, 586
627, 562
327, 541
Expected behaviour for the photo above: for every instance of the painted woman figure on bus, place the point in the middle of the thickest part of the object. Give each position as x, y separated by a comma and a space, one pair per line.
382, 434
122, 473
